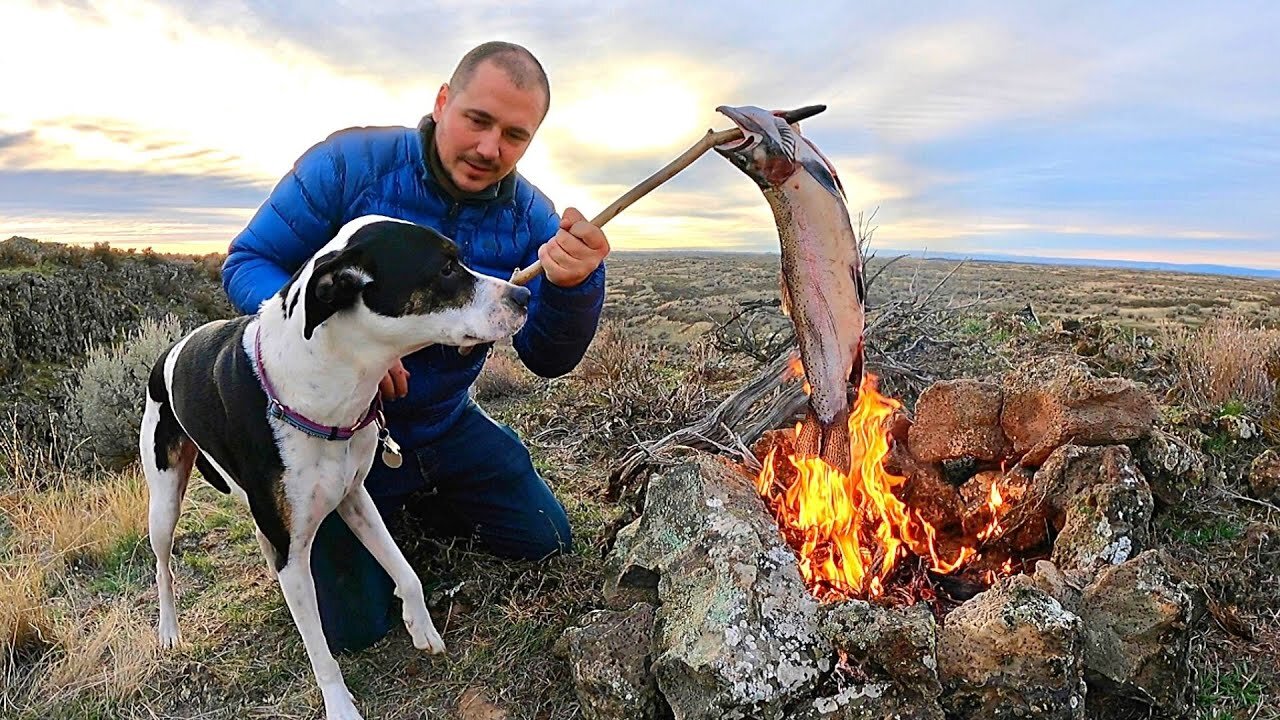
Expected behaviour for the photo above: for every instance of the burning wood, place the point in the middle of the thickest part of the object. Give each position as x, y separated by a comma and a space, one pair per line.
852, 530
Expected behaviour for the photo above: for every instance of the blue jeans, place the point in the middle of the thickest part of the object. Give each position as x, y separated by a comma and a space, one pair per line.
480, 483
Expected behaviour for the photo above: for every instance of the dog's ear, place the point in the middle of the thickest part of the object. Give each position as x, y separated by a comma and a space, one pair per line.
336, 282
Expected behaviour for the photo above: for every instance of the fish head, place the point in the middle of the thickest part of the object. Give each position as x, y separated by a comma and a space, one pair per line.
771, 151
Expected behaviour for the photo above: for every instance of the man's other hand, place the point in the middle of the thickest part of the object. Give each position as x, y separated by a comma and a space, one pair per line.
575, 252
396, 383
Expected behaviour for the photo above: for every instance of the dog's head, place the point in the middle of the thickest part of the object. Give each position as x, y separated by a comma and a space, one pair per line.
406, 285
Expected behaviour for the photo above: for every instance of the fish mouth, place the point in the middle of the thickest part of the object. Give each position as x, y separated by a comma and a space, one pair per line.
767, 150
746, 119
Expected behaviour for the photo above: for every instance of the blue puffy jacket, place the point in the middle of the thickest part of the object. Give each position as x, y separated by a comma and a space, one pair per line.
382, 170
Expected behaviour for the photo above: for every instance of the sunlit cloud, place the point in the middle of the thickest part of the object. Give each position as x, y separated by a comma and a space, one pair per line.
1133, 132
144, 71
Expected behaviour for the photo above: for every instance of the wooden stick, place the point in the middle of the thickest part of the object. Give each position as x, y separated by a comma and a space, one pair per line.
708, 141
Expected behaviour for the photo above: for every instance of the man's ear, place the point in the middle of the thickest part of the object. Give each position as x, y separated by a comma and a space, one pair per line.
335, 283
442, 98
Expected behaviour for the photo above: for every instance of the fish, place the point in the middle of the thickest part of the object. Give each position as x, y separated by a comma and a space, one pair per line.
822, 286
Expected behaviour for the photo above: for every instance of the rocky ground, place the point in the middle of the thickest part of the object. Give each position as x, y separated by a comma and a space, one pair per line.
1216, 524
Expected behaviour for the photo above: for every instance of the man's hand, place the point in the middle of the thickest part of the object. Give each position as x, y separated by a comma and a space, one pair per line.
396, 383
575, 252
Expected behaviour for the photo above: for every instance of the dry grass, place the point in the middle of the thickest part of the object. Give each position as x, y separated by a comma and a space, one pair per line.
52, 522
109, 656
503, 376
73, 523
25, 465
1226, 361
25, 623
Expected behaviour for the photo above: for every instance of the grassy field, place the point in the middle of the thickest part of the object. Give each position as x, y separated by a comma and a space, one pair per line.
77, 597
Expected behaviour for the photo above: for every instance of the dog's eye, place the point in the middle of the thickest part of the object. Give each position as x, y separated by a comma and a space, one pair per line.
449, 269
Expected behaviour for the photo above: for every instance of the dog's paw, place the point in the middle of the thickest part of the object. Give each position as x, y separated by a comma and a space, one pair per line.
423, 632
168, 635
338, 703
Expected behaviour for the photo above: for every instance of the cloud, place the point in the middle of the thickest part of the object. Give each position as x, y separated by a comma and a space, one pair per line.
1123, 129
108, 192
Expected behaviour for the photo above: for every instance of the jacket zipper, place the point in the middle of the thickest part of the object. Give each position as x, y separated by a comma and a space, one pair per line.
451, 221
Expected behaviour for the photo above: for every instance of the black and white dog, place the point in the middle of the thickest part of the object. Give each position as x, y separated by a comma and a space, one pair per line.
282, 409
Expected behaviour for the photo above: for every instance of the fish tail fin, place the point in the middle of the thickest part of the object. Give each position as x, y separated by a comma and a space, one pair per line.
835, 444
809, 442
826, 441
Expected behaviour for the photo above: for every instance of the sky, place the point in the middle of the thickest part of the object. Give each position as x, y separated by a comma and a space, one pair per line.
1117, 130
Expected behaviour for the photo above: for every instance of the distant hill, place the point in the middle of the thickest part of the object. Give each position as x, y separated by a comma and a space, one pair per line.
885, 253
1201, 269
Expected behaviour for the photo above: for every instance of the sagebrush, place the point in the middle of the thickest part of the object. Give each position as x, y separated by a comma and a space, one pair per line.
109, 391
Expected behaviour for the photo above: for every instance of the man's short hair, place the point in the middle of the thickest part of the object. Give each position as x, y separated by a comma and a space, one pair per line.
516, 61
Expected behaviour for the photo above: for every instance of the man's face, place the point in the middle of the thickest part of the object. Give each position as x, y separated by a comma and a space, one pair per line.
483, 130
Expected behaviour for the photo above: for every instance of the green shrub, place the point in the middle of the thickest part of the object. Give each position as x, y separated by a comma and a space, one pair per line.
109, 392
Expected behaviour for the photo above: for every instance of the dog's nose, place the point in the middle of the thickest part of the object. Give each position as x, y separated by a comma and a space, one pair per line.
519, 296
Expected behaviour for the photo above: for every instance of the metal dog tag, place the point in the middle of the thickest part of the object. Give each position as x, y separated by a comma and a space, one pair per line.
391, 456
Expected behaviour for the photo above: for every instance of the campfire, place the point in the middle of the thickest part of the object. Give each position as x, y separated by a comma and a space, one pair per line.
854, 536
987, 556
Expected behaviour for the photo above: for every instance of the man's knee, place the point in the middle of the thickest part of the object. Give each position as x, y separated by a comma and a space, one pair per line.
551, 534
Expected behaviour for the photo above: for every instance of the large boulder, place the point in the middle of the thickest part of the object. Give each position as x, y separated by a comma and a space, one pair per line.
898, 646
737, 633
736, 628
1057, 403
957, 419
610, 657
1107, 522
1012, 652
1137, 625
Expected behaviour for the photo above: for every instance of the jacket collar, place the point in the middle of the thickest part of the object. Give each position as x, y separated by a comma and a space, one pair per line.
433, 173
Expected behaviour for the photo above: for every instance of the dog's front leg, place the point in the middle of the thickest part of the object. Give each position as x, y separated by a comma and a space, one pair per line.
299, 588
361, 515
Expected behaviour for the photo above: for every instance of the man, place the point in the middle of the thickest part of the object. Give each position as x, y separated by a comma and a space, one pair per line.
456, 173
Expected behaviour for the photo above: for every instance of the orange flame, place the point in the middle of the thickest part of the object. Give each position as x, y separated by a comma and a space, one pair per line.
850, 531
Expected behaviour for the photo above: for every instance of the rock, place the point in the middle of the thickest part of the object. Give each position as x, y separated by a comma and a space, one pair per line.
956, 419
1106, 524
736, 629
937, 501
1072, 468
1170, 465
1138, 632
1047, 407
610, 653
977, 490
960, 470
896, 648
626, 586
1264, 477
475, 705
1053, 581
1012, 652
